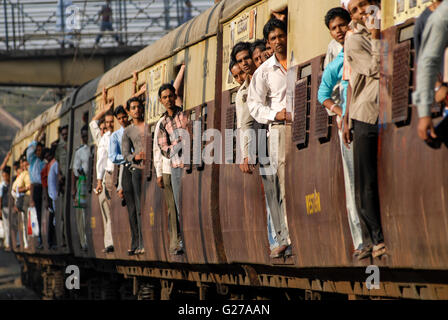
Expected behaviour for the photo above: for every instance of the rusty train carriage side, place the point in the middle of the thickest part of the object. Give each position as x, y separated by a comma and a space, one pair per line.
223, 219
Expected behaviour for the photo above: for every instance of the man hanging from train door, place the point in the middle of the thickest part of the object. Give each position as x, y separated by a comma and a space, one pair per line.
362, 52
267, 105
333, 95
61, 155
34, 155
434, 43
170, 143
133, 148
80, 169
104, 167
242, 54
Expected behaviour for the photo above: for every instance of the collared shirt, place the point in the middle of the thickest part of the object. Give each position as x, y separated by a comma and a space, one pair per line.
244, 120
44, 175
363, 56
434, 43
133, 142
36, 164
169, 138
161, 164
22, 180
4, 188
333, 50
267, 91
331, 77
53, 184
61, 156
115, 154
103, 163
81, 160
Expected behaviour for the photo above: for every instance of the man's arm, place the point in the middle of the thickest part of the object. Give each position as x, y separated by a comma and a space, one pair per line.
115, 156
329, 80
256, 100
158, 160
177, 84
5, 161
363, 56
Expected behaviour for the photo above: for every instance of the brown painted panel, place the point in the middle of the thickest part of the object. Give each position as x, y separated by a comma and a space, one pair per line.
242, 206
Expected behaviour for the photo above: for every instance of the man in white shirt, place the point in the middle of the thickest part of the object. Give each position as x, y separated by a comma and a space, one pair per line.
163, 171
104, 169
80, 168
267, 105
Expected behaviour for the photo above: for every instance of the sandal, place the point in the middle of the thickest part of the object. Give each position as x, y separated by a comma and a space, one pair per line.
365, 253
379, 250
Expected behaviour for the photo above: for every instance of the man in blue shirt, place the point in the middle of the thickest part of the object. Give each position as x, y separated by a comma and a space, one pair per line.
115, 154
34, 155
337, 20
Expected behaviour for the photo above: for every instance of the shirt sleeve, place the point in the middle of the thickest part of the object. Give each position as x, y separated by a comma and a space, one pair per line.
101, 161
256, 99
162, 141
363, 56
126, 145
158, 161
434, 42
114, 155
76, 164
329, 81
247, 123
95, 131
31, 152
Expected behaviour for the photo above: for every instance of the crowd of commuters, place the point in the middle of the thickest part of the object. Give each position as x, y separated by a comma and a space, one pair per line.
260, 68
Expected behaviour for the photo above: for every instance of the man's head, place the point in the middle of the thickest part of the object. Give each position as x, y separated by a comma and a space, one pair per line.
238, 74
337, 20
102, 126
6, 174
85, 134
275, 33
109, 121
358, 10
85, 117
167, 96
39, 150
281, 15
64, 133
135, 108
47, 154
259, 52
122, 116
23, 163
16, 165
241, 54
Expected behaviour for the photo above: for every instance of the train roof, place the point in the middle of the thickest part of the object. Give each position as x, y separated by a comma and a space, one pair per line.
195, 30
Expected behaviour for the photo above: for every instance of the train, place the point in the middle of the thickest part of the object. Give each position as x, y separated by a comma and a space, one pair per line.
223, 216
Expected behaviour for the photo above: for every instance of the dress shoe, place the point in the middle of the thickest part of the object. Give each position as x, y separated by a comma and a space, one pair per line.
123, 203
131, 252
109, 249
278, 252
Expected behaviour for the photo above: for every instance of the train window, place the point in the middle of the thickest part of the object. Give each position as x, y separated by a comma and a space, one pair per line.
301, 107
149, 153
322, 125
406, 33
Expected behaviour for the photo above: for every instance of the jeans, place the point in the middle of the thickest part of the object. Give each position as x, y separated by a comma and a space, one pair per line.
176, 182
365, 149
349, 182
106, 25
132, 185
5, 218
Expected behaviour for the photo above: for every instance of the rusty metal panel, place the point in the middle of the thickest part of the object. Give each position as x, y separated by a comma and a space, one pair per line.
321, 116
400, 81
300, 112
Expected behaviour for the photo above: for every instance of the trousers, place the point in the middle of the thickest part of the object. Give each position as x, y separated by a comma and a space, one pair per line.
37, 198
104, 200
132, 185
81, 226
173, 219
365, 149
5, 218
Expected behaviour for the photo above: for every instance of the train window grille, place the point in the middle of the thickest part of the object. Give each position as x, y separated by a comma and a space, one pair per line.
231, 125
149, 165
90, 179
302, 106
322, 126
203, 120
192, 117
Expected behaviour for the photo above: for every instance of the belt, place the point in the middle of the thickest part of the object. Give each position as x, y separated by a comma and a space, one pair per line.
280, 123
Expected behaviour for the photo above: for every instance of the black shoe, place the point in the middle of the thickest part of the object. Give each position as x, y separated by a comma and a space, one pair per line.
288, 252
131, 252
109, 249
123, 203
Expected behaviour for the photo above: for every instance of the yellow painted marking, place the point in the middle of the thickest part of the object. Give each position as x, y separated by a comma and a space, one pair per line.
151, 217
312, 202
92, 222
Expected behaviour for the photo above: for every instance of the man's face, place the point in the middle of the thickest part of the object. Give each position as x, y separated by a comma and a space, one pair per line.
278, 41
238, 74
168, 99
109, 123
64, 134
269, 51
244, 60
84, 136
5, 177
258, 57
135, 110
102, 128
24, 165
338, 29
358, 10
48, 156
39, 151
123, 119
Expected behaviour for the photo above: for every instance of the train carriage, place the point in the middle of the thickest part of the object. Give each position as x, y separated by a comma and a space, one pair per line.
223, 216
